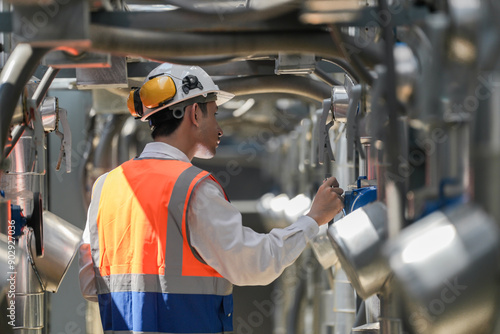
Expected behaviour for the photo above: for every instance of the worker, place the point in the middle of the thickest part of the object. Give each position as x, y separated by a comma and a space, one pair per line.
163, 245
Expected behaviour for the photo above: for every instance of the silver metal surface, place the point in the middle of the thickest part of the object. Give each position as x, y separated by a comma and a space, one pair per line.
344, 305
61, 240
298, 64
28, 296
367, 165
5, 282
370, 328
112, 77
327, 317
323, 249
61, 60
340, 103
445, 266
48, 110
358, 239
372, 309
25, 174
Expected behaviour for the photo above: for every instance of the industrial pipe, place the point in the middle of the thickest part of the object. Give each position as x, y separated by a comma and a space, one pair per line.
18, 69
241, 11
44, 85
276, 84
158, 45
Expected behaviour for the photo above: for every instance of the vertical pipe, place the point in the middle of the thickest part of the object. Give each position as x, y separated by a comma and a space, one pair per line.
486, 152
390, 307
29, 295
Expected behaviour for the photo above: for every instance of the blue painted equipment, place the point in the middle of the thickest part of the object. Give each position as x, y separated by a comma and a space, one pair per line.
359, 197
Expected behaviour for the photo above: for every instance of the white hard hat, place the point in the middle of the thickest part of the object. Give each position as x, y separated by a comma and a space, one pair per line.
171, 84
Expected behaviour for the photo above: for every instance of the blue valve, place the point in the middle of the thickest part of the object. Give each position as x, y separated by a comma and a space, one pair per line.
359, 197
17, 217
16, 214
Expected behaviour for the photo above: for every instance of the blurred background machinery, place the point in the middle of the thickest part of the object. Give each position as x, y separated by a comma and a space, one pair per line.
399, 99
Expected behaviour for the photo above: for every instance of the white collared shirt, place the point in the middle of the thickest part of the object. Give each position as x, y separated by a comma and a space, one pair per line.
238, 253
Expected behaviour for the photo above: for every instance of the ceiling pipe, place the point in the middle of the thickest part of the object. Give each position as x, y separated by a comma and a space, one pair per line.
289, 84
18, 69
278, 18
161, 45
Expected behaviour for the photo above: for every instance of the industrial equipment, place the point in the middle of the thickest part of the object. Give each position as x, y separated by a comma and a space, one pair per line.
398, 99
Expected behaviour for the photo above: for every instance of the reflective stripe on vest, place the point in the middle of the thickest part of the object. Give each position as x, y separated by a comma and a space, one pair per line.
149, 278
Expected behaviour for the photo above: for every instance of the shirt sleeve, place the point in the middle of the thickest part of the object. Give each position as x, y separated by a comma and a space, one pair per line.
86, 272
238, 253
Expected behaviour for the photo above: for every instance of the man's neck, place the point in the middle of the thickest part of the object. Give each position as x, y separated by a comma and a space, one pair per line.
182, 145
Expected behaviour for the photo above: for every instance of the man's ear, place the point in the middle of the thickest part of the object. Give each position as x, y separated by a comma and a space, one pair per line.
193, 112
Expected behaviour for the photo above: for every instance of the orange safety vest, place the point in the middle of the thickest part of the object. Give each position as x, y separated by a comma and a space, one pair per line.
149, 277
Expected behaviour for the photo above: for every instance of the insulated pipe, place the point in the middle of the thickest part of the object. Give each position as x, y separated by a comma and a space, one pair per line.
243, 12
276, 84
106, 152
44, 85
18, 69
282, 18
160, 45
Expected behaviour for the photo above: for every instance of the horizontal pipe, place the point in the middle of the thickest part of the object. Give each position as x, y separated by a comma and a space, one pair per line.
278, 18
156, 44
243, 11
161, 45
289, 84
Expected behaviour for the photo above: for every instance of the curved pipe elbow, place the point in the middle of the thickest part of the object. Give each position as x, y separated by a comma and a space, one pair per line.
288, 84
18, 69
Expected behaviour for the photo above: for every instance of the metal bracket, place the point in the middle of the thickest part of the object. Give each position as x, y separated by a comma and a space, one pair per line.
65, 151
324, 144
351, 131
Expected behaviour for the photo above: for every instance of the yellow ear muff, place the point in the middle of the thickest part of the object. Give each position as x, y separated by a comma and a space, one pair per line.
134, 103
157, 91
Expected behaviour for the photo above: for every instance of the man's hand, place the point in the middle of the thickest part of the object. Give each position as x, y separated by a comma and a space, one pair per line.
327, 202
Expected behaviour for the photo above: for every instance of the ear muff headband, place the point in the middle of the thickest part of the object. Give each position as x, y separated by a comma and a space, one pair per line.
157, 91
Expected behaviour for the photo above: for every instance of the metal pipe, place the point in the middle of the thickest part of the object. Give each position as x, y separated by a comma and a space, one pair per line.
159, 45
353, 59
390, 307
106, 153
17, 71
486, 152
29, 296
237, 11
44, 85
276, 84
156, 44
16, 135
326, 78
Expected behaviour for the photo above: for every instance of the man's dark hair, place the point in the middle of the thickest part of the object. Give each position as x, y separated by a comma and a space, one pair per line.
163, 123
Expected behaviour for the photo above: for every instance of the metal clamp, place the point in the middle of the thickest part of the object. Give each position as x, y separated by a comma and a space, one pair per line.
65, 151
